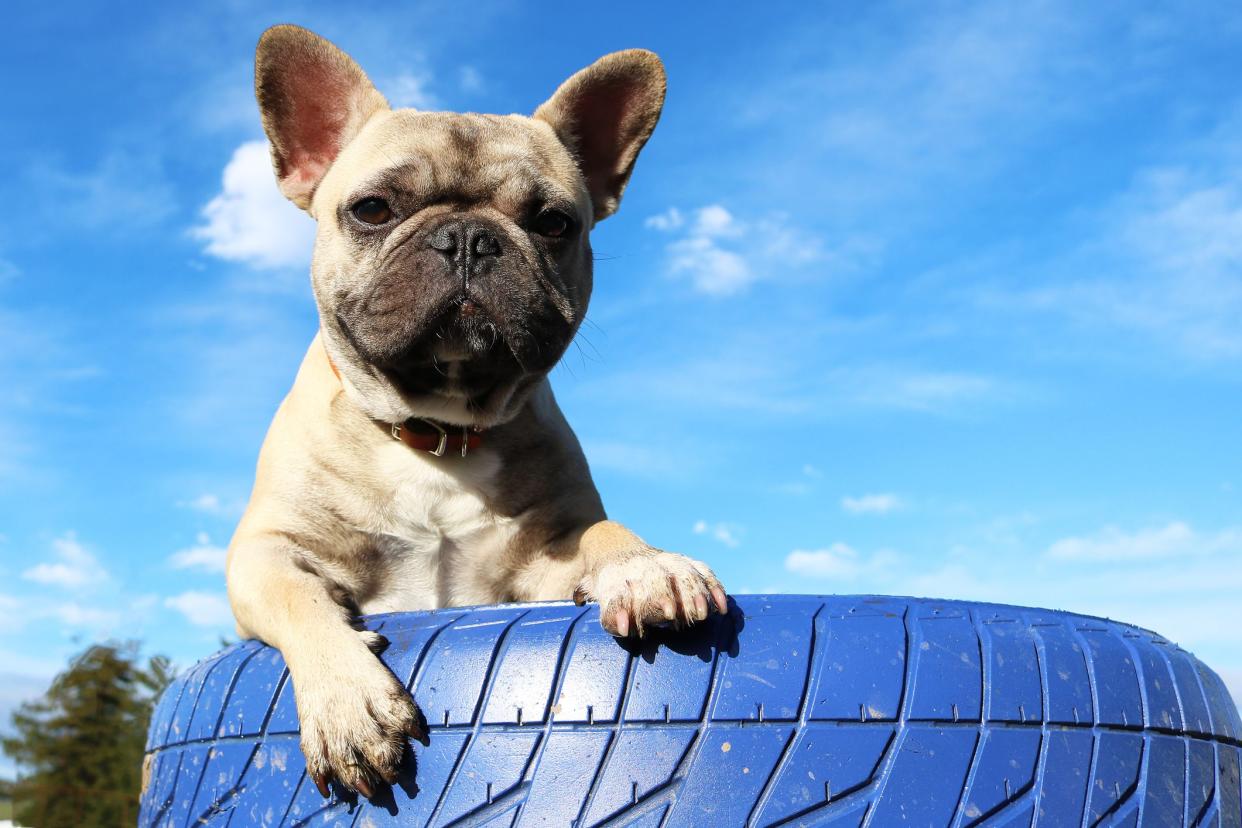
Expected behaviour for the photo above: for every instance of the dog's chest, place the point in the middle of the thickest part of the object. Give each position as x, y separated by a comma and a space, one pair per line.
437, 538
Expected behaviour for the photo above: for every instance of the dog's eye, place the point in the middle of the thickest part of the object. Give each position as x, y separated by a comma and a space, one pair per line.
553, 224
372, 211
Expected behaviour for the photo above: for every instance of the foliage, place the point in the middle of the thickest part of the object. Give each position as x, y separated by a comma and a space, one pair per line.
80, 747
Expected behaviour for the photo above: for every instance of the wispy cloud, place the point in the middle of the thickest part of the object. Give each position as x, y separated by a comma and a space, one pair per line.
723, 255
411, 89
76, 614
1173, 540
635, 459
726, 533
237, 350
122, 191
250, 221
871, 504
841, 561
928, 391
209, 503
1164, 258
204, 555
938, 104
782, 372
73, 566
470, 79
803, 486
202, 609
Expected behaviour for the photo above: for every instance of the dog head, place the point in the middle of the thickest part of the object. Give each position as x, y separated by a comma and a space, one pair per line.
452, 260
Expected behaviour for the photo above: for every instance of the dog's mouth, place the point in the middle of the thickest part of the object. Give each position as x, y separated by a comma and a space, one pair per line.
465, 355
462, 345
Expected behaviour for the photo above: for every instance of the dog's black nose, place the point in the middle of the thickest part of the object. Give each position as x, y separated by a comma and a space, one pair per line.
446, 239
475, 238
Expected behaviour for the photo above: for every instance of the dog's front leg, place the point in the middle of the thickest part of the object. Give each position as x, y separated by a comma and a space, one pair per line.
354, 714
634, 583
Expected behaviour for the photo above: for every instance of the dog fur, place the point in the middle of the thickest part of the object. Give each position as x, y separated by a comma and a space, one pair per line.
453, 309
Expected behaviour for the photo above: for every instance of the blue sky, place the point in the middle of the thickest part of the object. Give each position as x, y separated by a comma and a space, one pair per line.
924, 299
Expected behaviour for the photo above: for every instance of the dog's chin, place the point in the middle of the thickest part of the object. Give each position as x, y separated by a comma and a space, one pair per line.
466, 366
452, 373
463, 371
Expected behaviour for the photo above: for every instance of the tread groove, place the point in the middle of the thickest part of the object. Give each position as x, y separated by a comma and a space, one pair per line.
814, 660
627, 685
477, 715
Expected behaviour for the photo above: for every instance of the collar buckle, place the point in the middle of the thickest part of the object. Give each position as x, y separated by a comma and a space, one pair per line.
442, 443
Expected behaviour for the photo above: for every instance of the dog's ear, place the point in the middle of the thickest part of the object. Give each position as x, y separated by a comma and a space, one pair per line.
604, 114
314, 99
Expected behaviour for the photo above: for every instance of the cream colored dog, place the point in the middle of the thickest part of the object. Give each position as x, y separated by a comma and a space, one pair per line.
420, 459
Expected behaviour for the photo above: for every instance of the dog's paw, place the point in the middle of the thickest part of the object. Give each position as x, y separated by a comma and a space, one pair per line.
651, 587
355, 720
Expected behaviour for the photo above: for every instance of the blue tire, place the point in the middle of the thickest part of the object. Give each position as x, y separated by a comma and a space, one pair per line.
792, 710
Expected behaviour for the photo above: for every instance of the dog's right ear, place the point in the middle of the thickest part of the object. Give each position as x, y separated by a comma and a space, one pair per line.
314, 99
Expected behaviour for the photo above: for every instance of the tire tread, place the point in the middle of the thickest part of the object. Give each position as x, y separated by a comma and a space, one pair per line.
537, 718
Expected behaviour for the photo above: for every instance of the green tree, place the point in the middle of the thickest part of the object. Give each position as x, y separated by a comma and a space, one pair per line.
80, 747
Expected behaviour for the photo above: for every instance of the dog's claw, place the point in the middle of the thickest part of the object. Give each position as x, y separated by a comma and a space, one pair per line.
700, 606
322, 784
362, 786
623, 623
418, 733
722, 603
580, 596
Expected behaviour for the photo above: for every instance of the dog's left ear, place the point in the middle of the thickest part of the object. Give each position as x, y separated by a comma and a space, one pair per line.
604, 114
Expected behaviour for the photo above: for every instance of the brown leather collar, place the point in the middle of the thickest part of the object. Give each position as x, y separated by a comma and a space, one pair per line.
430, 436
426, 435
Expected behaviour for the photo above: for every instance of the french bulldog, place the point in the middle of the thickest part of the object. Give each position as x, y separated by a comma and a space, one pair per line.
420, 459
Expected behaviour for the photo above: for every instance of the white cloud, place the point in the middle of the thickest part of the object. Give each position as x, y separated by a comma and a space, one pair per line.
843, 562
936, 104
923, 390
776, 374
203, 609
74, 567
206, 502
802, 486
250, 221
204, 555
723, 532
1173, 540
1160, 260
715, 221
212, 504
411, 89
670, 219
874, 504
836, 561
74, 614
1179, 278
712, 270
723, 255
